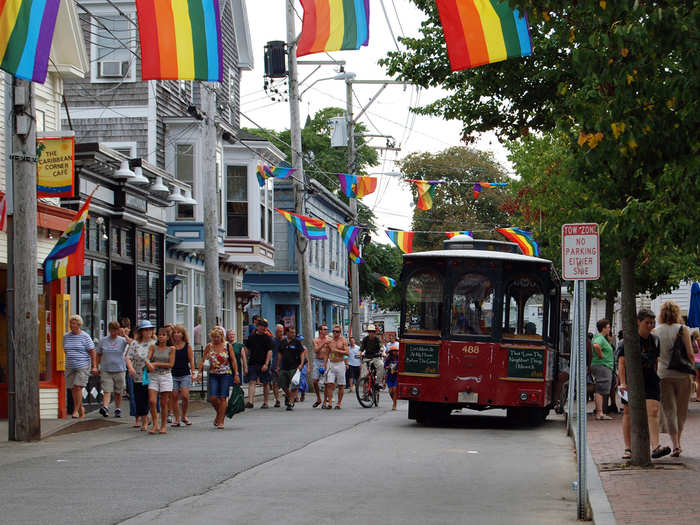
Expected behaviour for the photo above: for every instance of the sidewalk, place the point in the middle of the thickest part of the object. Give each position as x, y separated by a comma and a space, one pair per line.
93, 420
666, 493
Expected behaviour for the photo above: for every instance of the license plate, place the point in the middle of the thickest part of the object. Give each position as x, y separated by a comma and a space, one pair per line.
468, 397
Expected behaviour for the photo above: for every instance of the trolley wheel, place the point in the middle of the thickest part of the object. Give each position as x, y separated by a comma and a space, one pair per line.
364, 395
525, 416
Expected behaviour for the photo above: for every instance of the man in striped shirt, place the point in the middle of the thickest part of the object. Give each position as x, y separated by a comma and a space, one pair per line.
80, 362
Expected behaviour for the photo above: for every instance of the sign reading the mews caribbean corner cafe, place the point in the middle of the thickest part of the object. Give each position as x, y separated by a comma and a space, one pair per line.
54, 168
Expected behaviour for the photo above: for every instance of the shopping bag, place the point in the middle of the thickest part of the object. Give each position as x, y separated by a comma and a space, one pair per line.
296, 379
236, 402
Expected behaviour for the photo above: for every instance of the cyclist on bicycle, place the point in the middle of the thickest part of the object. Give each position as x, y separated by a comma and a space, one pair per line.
371, 353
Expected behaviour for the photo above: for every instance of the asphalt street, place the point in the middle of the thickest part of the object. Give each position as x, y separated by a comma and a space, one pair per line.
342, 466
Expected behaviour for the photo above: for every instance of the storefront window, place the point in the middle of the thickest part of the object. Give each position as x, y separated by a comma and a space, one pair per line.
182, 300
93, 297
199, 334
142, 294
86, 296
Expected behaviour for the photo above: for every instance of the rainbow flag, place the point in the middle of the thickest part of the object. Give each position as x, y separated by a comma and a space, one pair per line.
452, 234
480, 186
387, 281
349, 235
26, 33
426, 192
68, 255
481, 32
522, 238
265, 172
402, 240
332, 25
312, 229
180, 40
355, 187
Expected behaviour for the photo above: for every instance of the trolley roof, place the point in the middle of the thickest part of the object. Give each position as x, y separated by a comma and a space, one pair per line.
476, 254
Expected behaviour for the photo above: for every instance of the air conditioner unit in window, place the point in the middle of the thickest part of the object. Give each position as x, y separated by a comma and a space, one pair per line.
112, 68
333, 265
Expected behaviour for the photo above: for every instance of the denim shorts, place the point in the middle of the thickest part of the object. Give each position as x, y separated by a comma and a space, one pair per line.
182, 382
255, 372
220, 384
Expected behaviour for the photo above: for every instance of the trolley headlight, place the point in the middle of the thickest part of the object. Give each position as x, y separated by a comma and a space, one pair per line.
523, 396
415, 391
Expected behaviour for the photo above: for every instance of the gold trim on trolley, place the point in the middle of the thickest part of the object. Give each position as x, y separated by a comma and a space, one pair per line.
420, 341
524, 346
418, 375
524, 379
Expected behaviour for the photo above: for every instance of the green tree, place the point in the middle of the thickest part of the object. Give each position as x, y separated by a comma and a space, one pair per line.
381, 259
619, 82
454, 207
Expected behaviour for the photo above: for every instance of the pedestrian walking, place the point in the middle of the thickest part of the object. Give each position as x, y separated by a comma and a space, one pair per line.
160, 361
125, 332
239, 351
182, 375
695, 340
318, 370
335, 365
291, 359
81, 361
371, 353
391, 366
112, 363
223, 372
274, 365
136, 357
602, 366
650, 350
675, 385
354, 364
259, 349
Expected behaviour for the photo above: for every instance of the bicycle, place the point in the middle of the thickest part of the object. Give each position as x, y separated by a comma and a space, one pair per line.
367, 390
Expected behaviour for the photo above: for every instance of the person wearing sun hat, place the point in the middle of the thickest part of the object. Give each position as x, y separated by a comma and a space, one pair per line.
371, 352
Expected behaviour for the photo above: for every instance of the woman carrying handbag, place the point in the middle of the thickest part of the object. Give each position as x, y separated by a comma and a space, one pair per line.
675, 379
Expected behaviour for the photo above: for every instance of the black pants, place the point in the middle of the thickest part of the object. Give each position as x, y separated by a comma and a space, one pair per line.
141, 399
352, 372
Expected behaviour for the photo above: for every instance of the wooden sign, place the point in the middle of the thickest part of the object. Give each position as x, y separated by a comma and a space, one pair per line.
55, 165
421, 358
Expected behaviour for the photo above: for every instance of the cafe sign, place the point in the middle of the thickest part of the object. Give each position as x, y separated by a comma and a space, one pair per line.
55, 166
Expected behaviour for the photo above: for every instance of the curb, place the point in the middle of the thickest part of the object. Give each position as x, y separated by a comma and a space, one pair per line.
601, 510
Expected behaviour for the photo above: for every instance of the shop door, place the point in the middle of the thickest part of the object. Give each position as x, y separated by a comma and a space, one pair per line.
123, 291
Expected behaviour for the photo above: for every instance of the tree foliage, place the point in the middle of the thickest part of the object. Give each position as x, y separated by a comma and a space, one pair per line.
454, 207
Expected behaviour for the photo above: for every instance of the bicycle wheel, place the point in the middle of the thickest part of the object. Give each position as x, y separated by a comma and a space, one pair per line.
364, 395
375, 396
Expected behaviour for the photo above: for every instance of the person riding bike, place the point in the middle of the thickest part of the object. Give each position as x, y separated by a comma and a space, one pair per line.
371, 353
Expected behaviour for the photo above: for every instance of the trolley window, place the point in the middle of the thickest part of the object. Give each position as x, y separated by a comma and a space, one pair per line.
523, 308
423, 304
472, 305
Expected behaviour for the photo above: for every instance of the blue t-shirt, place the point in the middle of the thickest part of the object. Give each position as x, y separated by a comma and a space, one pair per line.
77, 348
112, 352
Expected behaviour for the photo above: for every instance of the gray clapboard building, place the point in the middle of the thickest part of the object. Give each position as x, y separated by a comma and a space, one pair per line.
159, 123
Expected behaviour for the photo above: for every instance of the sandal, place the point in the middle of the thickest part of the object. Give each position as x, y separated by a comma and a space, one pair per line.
337, 407
676, 452
660, 452
627, 454
316, 404
603, 417
186, 421
175, 424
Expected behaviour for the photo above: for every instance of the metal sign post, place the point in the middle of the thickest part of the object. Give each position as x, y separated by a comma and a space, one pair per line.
580, 257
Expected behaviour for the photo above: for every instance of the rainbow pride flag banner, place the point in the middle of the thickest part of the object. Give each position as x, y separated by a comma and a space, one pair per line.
349, 235
426, 192
522, 238
312, 229
26, 33
480, 186
265, 172
402, 240
452, 234
68, 255
479, 32
333, 25
356, 187
387, 281
180, 40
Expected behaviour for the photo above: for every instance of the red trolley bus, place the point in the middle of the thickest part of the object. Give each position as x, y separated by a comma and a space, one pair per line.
479, 329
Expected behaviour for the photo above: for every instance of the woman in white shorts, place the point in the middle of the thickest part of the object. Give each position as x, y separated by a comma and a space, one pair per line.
161, 358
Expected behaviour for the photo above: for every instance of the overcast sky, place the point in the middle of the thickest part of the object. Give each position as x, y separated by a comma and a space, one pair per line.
388, 115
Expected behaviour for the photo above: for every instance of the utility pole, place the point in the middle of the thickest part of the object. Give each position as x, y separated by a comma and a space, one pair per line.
298, 163
209, 204
352, 162
24, 390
